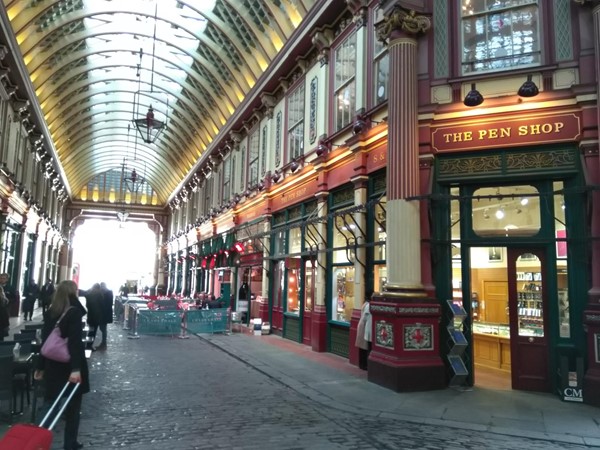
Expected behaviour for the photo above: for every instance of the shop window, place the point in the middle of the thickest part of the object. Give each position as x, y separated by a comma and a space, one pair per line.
561, 261
381, 70
311, 237
344, 239
309, 285
279, 247
295, 240
345, 82
499, 34
296, 123
506, 211
293, 291
278, 284
342, 293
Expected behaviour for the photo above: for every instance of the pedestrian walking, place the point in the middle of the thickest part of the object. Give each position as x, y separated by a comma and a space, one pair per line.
46, 293
32, 292
107, 313
65, 312
363, 335
11, 295
93, 300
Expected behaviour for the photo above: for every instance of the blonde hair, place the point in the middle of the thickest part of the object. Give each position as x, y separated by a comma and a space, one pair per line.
60, 299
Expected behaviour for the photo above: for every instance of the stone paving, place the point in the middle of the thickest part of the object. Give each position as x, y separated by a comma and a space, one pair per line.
157, 393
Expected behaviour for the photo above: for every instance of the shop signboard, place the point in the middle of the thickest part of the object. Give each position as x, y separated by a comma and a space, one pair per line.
504, 132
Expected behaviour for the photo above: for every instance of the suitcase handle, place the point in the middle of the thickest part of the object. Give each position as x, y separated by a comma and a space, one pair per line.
55, 404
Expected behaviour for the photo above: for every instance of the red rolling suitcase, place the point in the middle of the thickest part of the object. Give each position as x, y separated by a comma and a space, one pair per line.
24, 436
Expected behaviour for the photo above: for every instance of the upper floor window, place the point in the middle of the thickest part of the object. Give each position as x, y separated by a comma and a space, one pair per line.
381, 68
296, 123
345, 82
499, 34
253, 153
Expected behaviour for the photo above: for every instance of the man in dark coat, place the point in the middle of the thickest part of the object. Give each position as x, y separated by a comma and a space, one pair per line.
32, 292
93, 303
107, 313
11, 295
46, 293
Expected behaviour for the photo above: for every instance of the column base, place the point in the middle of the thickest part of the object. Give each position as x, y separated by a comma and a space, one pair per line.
405, 354
407, 375
318, 333
591, 388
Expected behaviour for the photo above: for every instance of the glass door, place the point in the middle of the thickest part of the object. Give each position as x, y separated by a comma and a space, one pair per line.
528, 319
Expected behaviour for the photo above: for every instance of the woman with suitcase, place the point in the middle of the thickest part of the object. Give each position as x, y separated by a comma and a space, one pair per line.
66, 313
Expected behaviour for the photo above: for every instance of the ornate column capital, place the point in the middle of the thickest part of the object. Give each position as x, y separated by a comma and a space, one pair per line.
322, 39
402, 21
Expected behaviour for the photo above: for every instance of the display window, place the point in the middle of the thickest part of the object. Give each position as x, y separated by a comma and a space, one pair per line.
343, 301
293, 291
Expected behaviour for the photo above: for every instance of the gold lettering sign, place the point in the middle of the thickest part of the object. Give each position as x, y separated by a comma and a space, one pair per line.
506, 133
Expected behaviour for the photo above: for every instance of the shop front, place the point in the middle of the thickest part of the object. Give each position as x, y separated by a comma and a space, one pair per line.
509, 223
294, 242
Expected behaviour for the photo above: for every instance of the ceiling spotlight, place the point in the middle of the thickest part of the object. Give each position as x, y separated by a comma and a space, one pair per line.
500, 214
524, 201
529, 88
473, 98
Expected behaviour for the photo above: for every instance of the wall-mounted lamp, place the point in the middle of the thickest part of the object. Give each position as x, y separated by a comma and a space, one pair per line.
474, 97
294, 166
529, 88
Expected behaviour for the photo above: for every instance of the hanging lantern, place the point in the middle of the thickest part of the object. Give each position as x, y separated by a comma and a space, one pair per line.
154, 199
149, 127
112, 196
128, 197
144, 198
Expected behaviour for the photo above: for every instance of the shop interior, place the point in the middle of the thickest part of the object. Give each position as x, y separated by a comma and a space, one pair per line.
495, 312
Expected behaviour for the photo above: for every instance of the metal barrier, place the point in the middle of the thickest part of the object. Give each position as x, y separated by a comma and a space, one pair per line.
207, 321
158, 322
138, 321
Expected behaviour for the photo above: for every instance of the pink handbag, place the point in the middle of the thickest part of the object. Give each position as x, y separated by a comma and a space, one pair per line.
55, 347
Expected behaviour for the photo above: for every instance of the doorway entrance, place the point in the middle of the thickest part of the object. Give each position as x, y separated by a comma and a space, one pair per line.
509, 317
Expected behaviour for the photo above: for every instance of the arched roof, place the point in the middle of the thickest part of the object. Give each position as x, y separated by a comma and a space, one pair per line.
96, 65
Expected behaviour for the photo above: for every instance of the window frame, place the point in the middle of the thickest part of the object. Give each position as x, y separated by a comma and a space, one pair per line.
295, 146
348, 83
536, 53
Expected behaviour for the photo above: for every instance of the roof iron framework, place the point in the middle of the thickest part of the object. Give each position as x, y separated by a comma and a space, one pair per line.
82, 60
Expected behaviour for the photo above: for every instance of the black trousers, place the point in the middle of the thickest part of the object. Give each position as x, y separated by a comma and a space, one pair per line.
363, 357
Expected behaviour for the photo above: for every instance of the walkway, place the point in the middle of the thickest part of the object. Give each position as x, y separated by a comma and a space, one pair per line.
263, 392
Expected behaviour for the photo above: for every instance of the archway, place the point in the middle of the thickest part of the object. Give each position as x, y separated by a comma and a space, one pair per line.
114, 252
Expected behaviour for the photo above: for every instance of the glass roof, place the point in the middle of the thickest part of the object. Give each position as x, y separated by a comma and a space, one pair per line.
96, 65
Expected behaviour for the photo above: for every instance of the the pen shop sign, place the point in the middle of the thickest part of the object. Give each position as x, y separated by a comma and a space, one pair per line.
509, 132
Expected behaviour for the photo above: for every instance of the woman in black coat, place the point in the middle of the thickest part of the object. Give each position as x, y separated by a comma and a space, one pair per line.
56, 374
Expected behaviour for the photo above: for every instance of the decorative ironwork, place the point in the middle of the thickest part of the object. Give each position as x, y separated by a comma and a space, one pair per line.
278, 140
312, 123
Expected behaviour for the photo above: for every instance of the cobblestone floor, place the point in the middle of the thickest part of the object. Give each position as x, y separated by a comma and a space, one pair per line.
158, 393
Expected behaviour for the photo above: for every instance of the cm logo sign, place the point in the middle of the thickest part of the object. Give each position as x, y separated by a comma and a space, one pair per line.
573, 395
